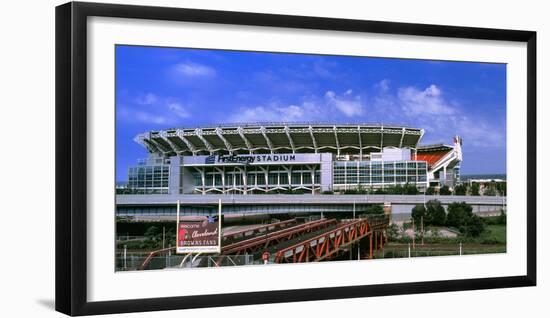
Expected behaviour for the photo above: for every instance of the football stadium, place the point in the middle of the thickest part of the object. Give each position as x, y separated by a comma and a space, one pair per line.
284, 193
290, 158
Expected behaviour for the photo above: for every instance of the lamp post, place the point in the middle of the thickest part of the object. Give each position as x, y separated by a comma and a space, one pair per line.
414, 233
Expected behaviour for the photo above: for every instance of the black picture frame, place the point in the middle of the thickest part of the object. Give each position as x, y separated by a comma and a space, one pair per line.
71, 157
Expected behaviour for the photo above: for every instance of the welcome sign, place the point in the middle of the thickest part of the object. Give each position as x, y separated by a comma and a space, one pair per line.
198, 236
201, 234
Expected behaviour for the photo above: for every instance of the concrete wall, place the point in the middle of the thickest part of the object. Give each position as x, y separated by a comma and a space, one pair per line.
326, 171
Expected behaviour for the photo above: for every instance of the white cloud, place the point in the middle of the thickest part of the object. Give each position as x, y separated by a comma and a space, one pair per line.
312, 108
179, 110
322, 70
477, 132
349, 105
153, 109
276, 113
189, 69
431, 110
429, 101
383, 86
141, 116
148, 99
147, 117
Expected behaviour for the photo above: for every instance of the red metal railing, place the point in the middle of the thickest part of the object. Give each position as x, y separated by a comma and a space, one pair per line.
261, 242
330, 243
257, 243
257, 230
319, 247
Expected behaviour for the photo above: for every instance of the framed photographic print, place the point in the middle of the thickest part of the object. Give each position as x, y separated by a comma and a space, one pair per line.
209, 158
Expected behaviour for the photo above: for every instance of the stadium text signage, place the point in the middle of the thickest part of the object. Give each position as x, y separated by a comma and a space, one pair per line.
248, 159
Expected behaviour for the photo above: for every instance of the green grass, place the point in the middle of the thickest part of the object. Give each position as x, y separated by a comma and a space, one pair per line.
495, 234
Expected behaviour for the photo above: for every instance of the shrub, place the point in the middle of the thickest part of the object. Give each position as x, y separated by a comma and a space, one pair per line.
435, 213
474, 226
375, 209
410, 189
398, 189
501, 219
474, 189
444, 190
460, 216
418, 212
152, 231
490, 191
460, 189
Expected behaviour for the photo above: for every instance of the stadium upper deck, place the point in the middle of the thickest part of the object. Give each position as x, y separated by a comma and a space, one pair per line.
340, 139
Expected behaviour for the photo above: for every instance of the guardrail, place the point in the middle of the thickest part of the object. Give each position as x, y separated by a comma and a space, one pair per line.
212, 199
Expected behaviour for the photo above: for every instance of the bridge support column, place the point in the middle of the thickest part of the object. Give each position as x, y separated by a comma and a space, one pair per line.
376, 241
370, 245
381, 240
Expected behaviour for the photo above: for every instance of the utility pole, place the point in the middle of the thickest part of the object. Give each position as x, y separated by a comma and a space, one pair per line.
422, 228
125, 255
414, 234
163, 236
169, 255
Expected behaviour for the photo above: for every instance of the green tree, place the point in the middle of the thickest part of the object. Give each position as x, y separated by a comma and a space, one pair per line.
474, 226
418, 212
398, 189
501, 218
490, 190
375, 209
361, 189
501, 187
460, 189
474, 189
458, 213
460, 216
392, 231
411, 189
350, 191
380, 191
444, 190
430, 191
435, 213
152, 231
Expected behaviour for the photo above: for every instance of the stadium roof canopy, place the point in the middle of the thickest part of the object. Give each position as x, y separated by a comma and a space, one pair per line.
280, 138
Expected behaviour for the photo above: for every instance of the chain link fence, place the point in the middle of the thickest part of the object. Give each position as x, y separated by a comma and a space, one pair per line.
419, 250
133, 261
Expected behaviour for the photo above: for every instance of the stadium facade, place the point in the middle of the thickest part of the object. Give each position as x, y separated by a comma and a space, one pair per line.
290, 158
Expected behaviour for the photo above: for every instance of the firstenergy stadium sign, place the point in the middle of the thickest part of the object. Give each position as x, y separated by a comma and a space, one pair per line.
252, 159
249, 159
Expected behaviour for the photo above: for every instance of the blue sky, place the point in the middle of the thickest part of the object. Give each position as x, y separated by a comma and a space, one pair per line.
159, 88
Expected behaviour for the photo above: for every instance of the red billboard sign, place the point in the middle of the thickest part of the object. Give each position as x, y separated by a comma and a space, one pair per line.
199, 235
